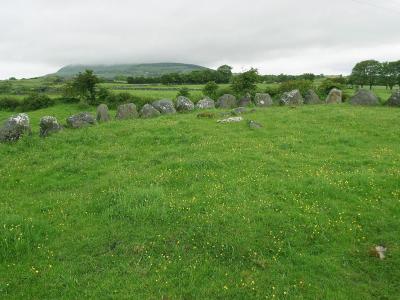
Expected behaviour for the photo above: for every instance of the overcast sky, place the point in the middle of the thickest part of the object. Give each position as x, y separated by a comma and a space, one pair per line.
38, 37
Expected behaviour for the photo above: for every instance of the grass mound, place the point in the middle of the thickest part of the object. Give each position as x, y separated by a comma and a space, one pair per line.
182, 207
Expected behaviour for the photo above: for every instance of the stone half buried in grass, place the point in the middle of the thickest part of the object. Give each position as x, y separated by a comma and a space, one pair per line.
206, 103
184, 104
364, 97
103, 114
148, 111
291, 98
82, 119
127, 111
334, 97
394, 100
164, 106
15, 127
230, 120
227, 101
49, 125
254, 125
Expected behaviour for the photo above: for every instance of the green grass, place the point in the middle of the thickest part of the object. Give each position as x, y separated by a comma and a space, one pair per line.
183, 208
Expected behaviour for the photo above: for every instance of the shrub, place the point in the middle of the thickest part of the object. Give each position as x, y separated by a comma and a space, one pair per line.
224, 90
9, 103
210, 89
272, 91
327, 85
302, 85
36, 101
184, 92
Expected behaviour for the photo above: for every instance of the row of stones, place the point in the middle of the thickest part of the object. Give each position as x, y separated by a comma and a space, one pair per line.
18, 125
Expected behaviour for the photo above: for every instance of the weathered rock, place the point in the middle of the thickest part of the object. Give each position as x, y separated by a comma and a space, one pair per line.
49, 125
81, 120
15, 127
184, 104
291, 98
364, 97
148, 111
394, 100
239, 110
311, 97
334, 97
254, 124
127, 111
231, 120
263, 100
245, 101
227, 101
164, 106
206, 103
103, 115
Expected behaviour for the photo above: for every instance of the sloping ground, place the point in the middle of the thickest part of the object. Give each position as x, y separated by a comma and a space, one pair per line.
135, 70
179, 207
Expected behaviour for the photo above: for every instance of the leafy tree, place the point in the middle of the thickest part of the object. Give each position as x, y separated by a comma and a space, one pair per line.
210, 89
184, 92
308, 76
225, 74
366, 72
327, 85
83, 86
245, 83
390, 74
301, 84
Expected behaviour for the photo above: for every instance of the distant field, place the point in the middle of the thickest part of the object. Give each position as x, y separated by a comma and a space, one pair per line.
184, 208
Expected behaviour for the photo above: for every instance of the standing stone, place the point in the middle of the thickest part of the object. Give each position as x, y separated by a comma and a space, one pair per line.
184, 104
164, 106
81, 120
245, 101
394, 100
49, 125
206, 103
263, 100
148, 111
103, 114
15, 127
227, 101
364, 97
334, 97
291, 98
311, 97
127, 111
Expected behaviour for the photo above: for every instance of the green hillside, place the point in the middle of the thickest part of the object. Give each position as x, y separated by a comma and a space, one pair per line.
184, 208
135, 70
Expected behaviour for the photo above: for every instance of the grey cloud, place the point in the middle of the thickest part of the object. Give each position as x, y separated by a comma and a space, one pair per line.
275, 36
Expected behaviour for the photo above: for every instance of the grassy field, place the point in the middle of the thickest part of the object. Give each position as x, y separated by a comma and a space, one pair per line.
184, 208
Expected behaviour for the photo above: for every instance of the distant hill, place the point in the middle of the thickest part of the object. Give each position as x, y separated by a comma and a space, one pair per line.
135, 70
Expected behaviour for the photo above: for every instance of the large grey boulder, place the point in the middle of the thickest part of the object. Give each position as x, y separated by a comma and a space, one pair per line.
263, 100
164, 106
245, 101
364, 97
127, 111
148, 111
206, 103
103, 114
227, 101
49, 125
334, 97
394, 100
291, 98
80, 120
15, 127
184, 104
311, 97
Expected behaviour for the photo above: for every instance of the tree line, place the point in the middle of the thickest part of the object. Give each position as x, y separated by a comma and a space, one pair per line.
372, 72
